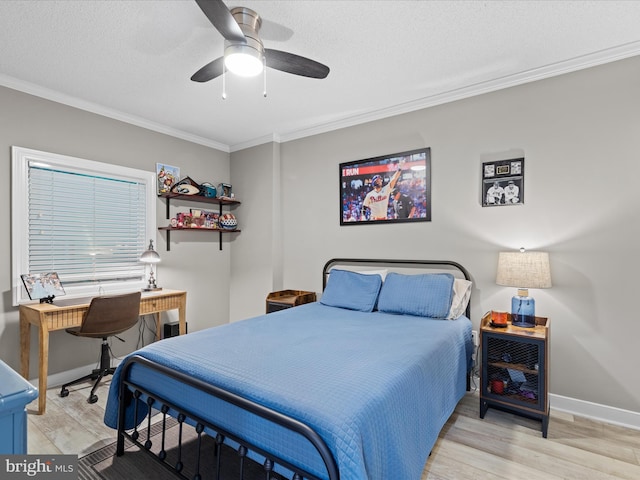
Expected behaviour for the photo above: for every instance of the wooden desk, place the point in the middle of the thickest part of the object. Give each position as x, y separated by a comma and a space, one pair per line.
49, 317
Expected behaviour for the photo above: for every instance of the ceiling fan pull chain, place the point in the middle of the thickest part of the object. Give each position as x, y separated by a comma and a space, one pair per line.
264, 72
224, 83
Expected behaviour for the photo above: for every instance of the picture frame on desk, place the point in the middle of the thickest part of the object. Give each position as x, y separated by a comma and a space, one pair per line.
43, 286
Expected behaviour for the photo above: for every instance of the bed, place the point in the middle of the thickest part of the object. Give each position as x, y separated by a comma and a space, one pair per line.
356, 386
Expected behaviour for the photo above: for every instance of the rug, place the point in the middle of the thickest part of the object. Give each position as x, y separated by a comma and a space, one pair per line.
138, 464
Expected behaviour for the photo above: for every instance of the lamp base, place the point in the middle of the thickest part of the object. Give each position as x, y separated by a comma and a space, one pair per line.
151, 289
523, 321
523, 309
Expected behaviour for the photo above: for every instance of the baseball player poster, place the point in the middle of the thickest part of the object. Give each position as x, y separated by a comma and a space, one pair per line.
387, 189
503, 182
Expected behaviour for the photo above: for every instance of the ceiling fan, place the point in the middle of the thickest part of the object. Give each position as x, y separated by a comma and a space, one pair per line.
244, 52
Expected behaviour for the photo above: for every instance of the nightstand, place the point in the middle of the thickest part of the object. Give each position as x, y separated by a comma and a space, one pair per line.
515, 369
287, 299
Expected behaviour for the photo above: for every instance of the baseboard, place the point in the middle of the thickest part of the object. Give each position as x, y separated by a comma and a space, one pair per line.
603, 413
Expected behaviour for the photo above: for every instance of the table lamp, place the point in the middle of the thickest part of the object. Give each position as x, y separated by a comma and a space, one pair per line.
523, 270
150, 256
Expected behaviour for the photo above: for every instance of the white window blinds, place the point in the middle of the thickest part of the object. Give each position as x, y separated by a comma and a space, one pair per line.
85, 227
88, 221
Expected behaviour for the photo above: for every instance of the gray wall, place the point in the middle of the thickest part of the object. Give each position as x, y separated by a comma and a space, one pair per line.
578, 134
194, 263
256, 256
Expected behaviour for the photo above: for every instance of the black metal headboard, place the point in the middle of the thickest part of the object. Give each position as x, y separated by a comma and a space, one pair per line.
436, 264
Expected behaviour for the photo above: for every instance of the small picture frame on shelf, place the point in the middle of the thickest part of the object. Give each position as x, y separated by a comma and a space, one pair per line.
167, 176
204, 218
210, 219
503, 183
224, 190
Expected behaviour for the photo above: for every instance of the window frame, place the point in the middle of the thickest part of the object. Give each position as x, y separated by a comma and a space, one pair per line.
20, 158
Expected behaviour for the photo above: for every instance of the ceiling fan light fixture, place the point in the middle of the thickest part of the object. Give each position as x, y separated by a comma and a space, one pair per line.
244, 52
243, 60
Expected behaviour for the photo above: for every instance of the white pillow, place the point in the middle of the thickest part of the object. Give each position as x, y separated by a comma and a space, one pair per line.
461, 296
382, 273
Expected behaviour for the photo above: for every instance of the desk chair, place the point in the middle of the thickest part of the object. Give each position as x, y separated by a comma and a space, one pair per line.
106, 317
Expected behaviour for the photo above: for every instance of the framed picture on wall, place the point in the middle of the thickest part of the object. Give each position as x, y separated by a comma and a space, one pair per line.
167, 177
387, 189
503, 182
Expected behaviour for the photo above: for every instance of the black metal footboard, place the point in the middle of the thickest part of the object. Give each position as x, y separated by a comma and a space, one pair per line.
153, 401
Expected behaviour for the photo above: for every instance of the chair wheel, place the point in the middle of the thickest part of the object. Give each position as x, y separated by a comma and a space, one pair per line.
92, 399
64, 392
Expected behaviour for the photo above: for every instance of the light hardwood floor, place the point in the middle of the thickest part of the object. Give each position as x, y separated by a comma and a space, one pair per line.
500, 446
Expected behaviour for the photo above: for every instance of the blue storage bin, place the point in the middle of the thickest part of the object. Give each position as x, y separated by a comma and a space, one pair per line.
15, 394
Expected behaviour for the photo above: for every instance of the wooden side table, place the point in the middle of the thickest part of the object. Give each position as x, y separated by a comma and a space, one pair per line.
515, 369
287, 299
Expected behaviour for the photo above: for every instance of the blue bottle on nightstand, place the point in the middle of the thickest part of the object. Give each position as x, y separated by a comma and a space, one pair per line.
523, 309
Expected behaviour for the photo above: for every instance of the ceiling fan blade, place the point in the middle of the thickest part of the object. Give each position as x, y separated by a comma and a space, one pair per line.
220, 16
274, 31
209, 71
295, 64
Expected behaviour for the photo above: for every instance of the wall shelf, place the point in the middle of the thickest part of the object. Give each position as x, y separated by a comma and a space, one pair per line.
197, 198
221, 202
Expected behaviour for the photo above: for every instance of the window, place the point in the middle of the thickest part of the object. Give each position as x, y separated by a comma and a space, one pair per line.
88, 221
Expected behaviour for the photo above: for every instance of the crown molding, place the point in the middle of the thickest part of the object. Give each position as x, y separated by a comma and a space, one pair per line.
578, 63
552, 70
48, 94
273, 137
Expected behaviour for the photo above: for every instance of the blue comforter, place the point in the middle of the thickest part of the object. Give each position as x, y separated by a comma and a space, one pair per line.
377, 387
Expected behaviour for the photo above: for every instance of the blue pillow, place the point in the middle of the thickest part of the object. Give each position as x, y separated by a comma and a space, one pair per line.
427, 295
351, 290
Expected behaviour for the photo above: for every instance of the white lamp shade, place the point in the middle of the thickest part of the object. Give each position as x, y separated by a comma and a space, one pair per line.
524, 270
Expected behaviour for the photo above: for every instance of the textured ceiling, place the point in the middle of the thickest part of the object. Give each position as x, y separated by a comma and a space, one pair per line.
132, 60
